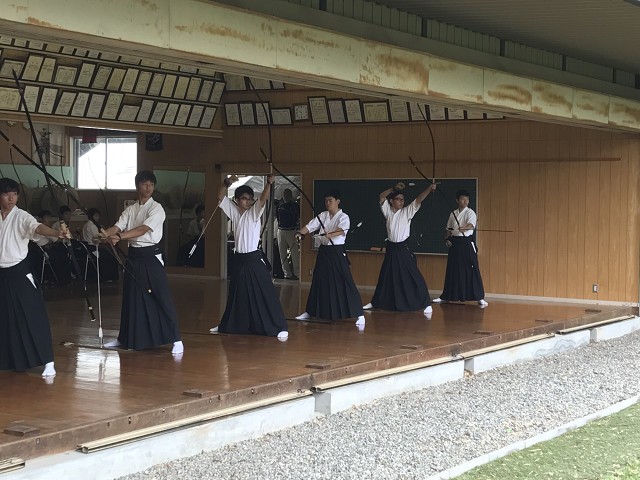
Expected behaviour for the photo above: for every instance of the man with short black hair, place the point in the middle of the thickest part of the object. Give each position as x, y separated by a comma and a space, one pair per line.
25, 335
333, 294
252, 305
462, 280
148, 317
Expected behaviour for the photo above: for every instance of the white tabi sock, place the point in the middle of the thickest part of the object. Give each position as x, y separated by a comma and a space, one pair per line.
49, 371
178, 347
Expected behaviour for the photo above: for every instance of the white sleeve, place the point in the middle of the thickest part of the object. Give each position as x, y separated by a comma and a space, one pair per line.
412, 208
156, 217
28, 225
385, 208
313, 225
256, 210
228, 207
473, 219
344, 222
123, 221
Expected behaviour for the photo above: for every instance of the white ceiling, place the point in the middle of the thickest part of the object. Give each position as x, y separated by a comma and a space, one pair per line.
606, 32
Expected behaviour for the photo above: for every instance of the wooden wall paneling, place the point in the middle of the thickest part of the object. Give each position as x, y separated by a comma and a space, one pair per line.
485, 212
619, 216
615, 227
535, 222
501, 207
573, 235
591, 208
510, 215
550, 229
551, 204
523, 229
604, 226
564, 204
631, 203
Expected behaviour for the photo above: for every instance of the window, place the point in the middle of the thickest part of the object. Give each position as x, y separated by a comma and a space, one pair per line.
110, 163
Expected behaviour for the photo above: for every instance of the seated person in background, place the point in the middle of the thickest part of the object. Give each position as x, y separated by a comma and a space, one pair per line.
90, 231
57, 254
194, 229
195, 226
37, 251
64, 215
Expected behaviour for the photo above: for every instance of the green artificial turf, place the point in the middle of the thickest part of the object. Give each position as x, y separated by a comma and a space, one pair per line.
606, 449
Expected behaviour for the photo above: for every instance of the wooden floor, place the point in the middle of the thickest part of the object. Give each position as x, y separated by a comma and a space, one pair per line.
102, 392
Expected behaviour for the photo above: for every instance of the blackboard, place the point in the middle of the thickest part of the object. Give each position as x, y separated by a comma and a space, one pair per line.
359, 199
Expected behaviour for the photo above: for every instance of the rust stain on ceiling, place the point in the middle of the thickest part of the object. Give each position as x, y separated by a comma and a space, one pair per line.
398, 67
18, 8
267, 28
217, 31
302, 36
371, 79
600, 109
41, 23
548, 96
444, 66
512, 93
628, 111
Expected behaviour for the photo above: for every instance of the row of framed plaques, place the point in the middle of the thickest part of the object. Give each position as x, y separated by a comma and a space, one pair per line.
106, 106
321, 110
256, 113
130, 80
58, 49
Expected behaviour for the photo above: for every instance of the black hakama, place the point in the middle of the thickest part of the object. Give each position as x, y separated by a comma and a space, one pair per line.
25, 335
462, 281
400, 286
147, 319
333, 293
252, 303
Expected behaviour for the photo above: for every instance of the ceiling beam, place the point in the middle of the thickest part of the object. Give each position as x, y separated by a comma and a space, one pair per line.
246, 42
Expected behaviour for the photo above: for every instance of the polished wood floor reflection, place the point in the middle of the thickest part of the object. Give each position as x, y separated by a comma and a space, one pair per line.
100, 392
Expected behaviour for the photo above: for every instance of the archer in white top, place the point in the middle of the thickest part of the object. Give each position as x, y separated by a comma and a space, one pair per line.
466, 218
245, 215
397, 215
336, 224
148, 214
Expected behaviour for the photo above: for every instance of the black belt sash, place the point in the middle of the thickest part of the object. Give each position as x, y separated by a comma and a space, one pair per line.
22, 268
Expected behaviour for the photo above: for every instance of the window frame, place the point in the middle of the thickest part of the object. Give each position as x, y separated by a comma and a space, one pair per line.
74, 155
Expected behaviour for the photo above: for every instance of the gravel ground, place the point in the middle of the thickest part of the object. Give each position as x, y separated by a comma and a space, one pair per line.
414, 435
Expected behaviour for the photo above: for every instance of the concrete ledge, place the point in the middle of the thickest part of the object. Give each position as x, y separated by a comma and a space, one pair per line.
140, 455
615, 330
527, 351
342, 398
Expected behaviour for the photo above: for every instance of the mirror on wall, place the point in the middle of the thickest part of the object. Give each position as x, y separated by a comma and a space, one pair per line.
180, 190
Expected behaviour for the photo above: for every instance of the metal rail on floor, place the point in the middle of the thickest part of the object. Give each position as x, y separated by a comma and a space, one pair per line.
136, 435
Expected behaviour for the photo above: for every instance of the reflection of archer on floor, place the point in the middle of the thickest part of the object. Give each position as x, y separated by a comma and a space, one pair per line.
193, 232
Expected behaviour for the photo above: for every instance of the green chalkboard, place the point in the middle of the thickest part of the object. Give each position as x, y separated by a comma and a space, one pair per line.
359, 199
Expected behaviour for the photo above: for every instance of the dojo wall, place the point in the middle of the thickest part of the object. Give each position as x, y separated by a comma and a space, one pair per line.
570, 195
